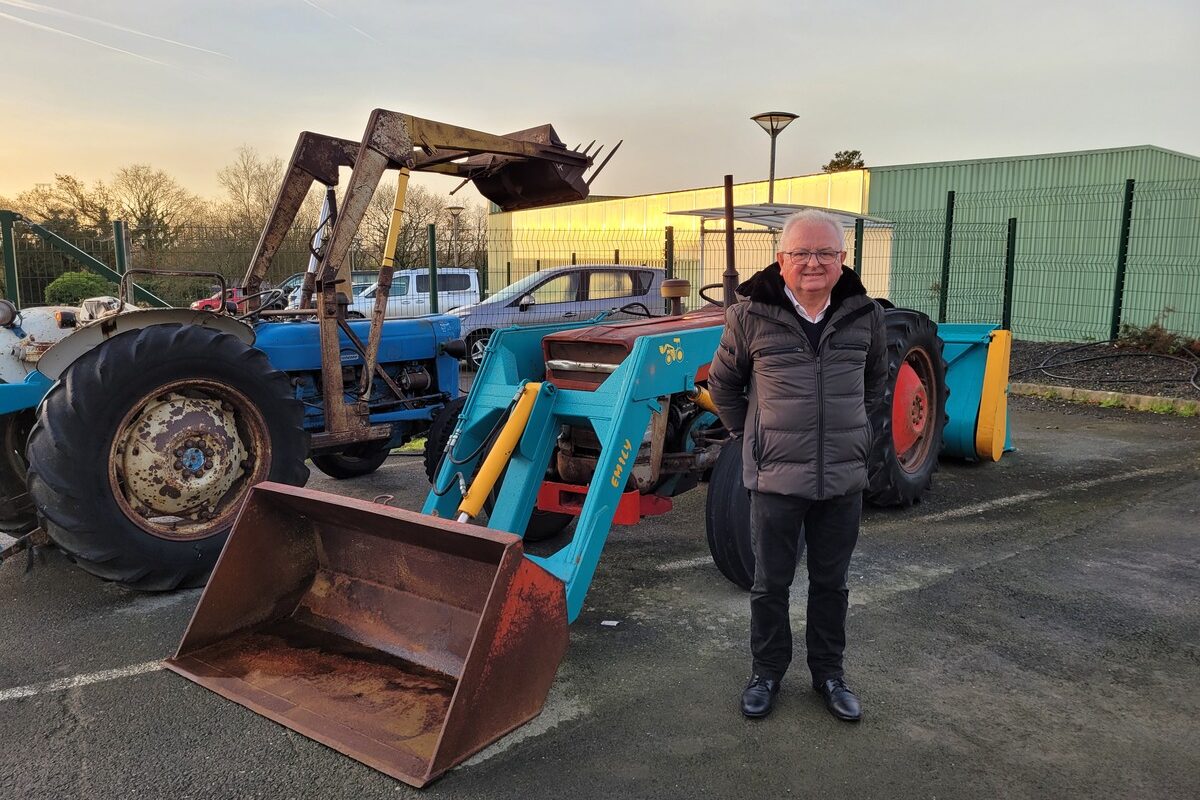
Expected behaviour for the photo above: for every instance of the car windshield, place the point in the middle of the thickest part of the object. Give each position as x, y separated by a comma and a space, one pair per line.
399, 287
519, 288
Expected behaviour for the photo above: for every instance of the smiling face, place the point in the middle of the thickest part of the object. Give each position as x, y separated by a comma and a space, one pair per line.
809, 277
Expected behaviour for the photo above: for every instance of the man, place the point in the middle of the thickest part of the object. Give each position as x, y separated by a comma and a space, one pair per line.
799, 372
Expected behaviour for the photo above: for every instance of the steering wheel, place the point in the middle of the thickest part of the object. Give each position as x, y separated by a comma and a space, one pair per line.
705, 288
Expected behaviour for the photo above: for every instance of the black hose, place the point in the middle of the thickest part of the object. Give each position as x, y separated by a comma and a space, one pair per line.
1046, 364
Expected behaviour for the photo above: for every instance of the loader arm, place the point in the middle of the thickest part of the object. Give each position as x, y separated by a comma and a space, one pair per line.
524, 169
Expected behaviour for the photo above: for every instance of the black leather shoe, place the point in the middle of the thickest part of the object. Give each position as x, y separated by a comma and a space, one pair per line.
759, 697
840, 700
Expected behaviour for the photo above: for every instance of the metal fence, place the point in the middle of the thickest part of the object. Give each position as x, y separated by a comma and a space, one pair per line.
1067, 263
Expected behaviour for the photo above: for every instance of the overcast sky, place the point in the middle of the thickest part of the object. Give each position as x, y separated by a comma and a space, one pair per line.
92, 85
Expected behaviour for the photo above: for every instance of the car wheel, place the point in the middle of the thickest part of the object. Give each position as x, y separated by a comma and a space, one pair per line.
477, 344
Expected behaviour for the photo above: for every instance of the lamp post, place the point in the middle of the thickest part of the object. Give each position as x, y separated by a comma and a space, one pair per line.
773, 122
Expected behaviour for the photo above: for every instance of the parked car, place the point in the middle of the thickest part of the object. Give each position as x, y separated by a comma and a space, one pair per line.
560, 293
360, 280
234, 301
409, 295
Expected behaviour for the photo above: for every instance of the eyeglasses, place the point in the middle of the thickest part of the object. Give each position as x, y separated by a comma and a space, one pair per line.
824, 257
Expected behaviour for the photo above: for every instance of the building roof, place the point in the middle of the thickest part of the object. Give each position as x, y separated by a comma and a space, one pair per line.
773, 215
1034, 157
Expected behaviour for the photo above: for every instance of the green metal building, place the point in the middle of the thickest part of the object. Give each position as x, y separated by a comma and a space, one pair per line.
1067, 263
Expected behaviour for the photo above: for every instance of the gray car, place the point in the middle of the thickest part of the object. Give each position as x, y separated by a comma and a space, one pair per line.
557, 295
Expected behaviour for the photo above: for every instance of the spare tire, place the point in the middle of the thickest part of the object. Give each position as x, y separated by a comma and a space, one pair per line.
727, 517
908, 423
147, 445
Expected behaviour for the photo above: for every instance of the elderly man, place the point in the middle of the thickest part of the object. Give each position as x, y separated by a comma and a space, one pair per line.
800, 369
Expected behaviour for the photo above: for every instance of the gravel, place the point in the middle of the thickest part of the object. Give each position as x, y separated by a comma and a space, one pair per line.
1104, 366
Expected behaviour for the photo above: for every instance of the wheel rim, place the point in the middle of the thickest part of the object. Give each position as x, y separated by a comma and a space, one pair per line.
478, 348
184, 456
913, 410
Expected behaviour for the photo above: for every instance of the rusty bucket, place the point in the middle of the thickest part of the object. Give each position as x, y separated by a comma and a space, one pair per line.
404, 641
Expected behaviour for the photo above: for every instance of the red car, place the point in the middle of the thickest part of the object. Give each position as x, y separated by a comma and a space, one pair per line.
234, 301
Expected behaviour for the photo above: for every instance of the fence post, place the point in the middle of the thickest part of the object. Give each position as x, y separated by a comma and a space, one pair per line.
120, 253
944, 289
433, 292
617, 256
858, 245
508, 273
1010, 260
12, 288
1122, 259
572, 259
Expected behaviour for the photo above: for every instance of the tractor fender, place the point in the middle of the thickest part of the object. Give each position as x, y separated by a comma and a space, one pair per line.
54, 361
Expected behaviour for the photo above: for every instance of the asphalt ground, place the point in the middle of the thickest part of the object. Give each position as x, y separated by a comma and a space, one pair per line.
1032, 629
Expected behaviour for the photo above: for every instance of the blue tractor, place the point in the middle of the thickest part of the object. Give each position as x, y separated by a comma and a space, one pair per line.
155, 423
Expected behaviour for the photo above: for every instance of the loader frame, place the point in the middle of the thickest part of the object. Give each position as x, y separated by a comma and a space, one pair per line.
520, 170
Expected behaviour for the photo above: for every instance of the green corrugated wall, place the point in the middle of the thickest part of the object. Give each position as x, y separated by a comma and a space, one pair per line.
1068, 207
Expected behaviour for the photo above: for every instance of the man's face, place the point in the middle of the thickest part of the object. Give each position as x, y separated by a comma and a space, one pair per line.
810, 275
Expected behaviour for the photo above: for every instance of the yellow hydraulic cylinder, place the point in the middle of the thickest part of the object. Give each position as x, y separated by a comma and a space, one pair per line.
992, 428
498, 457
702, 398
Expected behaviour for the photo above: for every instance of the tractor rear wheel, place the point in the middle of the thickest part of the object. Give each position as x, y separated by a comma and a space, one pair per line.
17, 514
354, 461
908, 425
542, 524
145, 448
727, 517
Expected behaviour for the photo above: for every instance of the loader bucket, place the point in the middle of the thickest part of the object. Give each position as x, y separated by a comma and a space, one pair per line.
404, 641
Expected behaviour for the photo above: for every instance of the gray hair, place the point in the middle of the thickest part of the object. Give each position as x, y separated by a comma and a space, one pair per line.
813, 215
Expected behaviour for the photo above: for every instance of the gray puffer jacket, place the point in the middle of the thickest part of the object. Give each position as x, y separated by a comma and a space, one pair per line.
803, 414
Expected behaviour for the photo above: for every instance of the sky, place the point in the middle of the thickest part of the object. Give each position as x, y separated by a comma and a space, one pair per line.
98, 84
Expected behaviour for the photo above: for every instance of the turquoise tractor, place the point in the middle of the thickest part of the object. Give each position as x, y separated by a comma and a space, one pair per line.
411, 640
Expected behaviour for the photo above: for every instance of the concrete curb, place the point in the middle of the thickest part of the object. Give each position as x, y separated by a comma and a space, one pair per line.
1136, 402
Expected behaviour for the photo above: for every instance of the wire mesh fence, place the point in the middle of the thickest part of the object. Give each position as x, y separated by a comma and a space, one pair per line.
1064, 263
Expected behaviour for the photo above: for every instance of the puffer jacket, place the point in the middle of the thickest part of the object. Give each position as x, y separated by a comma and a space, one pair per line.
804, 415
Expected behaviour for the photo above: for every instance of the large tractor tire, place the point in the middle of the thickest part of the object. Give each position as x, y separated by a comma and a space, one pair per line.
355, 461
727, 518
542, 524
17, 514
908, 425
146, 446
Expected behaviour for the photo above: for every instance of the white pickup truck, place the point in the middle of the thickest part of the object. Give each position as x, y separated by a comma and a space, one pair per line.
409, 296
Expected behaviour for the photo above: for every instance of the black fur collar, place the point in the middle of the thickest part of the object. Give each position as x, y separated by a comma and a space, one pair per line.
767, 287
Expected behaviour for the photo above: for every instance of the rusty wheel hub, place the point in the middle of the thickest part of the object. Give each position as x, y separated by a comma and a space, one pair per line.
180, 458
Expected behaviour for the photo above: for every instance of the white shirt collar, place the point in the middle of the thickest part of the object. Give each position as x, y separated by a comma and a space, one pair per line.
800, 309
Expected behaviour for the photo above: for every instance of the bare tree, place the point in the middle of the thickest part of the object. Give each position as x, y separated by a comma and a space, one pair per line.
251, 184
154, 205
69, 206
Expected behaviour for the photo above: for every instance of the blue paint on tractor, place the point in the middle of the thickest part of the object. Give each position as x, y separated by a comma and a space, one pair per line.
16, 397
294, 347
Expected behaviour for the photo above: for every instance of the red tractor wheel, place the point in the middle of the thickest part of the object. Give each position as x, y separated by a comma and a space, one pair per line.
908, 426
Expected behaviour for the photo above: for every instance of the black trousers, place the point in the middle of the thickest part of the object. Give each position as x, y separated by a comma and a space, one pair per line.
830, 530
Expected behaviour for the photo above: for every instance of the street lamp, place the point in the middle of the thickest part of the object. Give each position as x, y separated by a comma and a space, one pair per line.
773, 122
454, 211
